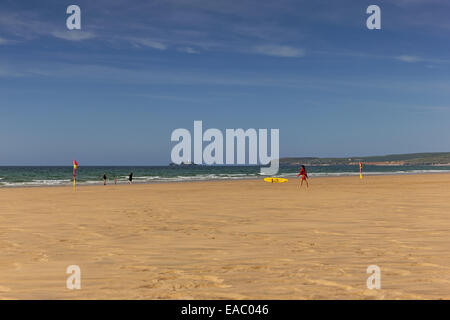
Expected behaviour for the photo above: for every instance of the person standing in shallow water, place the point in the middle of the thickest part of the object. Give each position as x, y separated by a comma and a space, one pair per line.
104, 179
304, 175
130, 178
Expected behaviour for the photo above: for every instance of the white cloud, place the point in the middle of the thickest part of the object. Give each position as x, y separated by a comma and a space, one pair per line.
188, 50
409, 59
412, 59
150, 43
73, 35
280, 51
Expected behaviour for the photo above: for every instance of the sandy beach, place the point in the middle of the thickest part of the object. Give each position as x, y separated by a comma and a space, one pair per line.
229, 239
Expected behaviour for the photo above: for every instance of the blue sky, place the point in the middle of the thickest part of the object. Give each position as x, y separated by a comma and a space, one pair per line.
113, 92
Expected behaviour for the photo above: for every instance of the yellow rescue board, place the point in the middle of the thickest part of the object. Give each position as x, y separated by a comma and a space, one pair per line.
275, 180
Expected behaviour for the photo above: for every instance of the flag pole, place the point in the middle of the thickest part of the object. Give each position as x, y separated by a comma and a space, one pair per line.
75, 174
360, 170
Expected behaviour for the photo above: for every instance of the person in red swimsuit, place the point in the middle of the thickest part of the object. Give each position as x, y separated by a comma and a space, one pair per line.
304, 175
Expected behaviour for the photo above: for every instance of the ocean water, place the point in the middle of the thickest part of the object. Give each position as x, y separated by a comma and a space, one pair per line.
59, 176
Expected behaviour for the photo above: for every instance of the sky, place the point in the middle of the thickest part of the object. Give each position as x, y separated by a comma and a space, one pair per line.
113, 92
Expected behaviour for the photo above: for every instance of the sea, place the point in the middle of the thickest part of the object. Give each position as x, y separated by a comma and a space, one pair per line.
15, 176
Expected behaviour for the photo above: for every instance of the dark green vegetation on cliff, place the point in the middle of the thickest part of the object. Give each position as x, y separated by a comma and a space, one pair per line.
436, 158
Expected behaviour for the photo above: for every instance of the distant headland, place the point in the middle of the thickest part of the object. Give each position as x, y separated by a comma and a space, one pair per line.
413, 159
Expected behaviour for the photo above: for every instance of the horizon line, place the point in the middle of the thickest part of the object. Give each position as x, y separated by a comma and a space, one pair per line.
220, 165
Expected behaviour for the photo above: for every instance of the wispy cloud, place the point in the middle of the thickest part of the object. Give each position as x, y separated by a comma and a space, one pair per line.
148, 76
30, 26
406, 58
200, 26
7, 72
73, 35
149, 43
410, 59
188, 50
280, 51
409, 3
413, 59
25, 26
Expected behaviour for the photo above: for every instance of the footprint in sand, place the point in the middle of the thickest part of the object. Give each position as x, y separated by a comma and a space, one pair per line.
178, 280
17, 266
401, 272
4, 289
330, 284
142, 268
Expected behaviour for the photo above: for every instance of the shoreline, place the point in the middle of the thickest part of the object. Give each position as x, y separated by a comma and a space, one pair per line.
100, 183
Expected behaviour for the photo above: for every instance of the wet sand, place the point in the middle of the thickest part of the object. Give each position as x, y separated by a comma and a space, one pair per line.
229, 239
